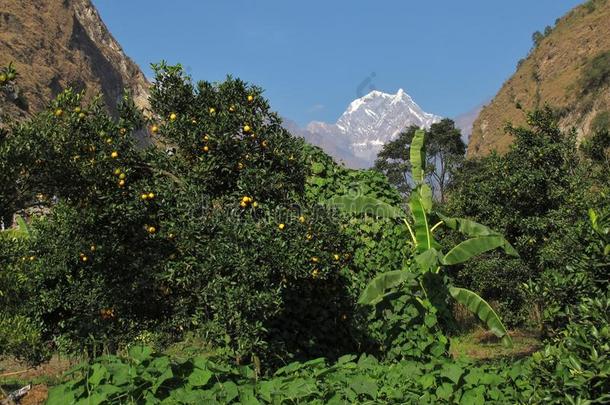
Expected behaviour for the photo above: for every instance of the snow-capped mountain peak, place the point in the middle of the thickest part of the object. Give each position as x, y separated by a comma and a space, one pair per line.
375, 119
367, 124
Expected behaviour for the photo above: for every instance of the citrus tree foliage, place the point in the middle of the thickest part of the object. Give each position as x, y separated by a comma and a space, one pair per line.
537, 195
559, 293
210, 229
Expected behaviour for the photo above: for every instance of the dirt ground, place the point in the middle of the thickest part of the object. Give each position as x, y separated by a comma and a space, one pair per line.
14, 375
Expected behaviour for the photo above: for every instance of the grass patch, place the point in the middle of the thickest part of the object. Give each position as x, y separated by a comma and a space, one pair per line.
483, 345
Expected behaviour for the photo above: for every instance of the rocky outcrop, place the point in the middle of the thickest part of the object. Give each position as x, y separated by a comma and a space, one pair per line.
55, 44
554, 73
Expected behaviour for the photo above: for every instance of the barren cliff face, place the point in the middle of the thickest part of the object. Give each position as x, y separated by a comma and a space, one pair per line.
55, 44
553, 74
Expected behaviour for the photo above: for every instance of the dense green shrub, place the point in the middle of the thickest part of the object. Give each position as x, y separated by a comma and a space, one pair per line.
537, 195
560, 291
210, 229
374, 243
577, 367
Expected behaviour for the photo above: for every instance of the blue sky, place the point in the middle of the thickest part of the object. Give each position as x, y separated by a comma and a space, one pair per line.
314, 57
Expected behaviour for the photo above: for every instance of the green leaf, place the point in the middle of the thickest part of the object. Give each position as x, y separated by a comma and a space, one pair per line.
467, 227
425, 194
365, 205
140, 353
452, 371
418, 156
166, 375
364, 385
473, 247
483, 310
98, 374
60, 395
428, 260
423, 236
199, 377
22, 231
375, 291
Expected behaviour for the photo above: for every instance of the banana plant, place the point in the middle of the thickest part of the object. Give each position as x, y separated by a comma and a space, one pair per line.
428, 257
22, 231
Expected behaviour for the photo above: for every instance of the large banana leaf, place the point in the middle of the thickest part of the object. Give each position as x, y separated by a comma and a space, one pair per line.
428, 260
22, 231
365, 205
423, 235
474, 230
377, 288
418, 156
467, 227
425, 196
483, 310
473, 247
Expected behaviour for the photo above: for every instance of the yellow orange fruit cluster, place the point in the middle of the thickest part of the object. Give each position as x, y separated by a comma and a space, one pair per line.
121, 176
107, 313
245, 201
147, 196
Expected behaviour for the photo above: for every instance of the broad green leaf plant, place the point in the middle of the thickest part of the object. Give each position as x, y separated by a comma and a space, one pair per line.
429, 259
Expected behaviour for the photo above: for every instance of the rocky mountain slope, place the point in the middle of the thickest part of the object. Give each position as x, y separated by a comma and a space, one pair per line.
569, 70
368, 123
59, 43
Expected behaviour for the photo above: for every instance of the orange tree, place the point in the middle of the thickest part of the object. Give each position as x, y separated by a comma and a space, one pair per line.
207, 230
